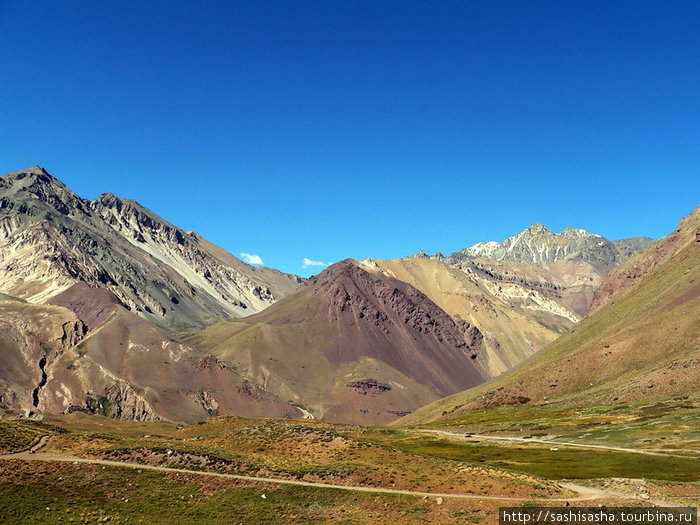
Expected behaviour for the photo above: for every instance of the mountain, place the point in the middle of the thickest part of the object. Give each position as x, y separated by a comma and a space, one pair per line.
538, 245
93, 295
123, 366
518, 307
352, 345
643, 341
623, 278
522, 293
51, 239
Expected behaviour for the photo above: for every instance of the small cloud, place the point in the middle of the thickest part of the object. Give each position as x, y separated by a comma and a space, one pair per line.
309, 262
251, 258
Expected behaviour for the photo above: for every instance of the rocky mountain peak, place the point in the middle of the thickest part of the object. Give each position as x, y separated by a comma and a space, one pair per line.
539, 245
109, 200
422, 254
347, 269
32, 171
369, 295
35, 184
33, 177
482, 249
538, 229
126, 215
577, 232
50, 238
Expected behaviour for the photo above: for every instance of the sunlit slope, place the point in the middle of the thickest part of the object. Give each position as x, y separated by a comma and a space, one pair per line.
52, 239
351, 346
28, 335
619, 280
519, 308
644, 345
95, 356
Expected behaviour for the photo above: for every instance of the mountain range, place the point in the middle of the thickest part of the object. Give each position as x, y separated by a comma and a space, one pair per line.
642, 341
539, 245
522, 293
105, 307
352, 345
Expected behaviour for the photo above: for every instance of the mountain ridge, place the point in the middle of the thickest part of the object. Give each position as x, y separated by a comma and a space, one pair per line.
52, 238
537, 244
361, 342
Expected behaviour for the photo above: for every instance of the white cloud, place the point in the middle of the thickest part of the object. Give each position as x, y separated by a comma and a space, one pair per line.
251, 258
309, 262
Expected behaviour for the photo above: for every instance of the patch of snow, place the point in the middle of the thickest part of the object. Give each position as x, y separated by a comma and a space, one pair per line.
483, 249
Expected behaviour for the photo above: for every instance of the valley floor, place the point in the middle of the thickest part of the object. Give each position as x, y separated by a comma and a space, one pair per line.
236, 470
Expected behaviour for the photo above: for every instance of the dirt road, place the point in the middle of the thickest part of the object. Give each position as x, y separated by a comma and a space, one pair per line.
583, 493
479, 437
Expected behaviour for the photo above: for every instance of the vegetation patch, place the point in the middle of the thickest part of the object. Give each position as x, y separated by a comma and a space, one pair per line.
15, 437
558, 462
42, 492
100, 405
296, 450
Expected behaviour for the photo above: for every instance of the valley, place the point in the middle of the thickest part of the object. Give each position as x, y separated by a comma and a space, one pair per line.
138, 359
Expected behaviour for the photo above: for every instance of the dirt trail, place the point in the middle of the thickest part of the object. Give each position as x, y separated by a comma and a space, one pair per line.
39, 444
583, 493
543, 441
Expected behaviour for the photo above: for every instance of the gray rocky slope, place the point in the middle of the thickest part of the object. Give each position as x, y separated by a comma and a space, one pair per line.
539, 245
51, 239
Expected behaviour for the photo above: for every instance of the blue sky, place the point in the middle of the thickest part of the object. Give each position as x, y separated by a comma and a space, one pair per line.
325, 130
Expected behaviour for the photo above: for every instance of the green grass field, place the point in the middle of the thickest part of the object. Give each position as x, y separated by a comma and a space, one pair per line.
563, 463
671, 426
659, 425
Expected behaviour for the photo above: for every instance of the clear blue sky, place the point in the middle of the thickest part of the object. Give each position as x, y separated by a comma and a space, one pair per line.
326, 129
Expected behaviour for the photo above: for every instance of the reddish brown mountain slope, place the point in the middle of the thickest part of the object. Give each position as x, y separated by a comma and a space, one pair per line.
352, 345
621, 279
94, 355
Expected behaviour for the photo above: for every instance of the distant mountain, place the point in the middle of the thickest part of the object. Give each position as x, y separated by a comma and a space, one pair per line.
522, 293
51, 239
353, 345
538, 245
642, 342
